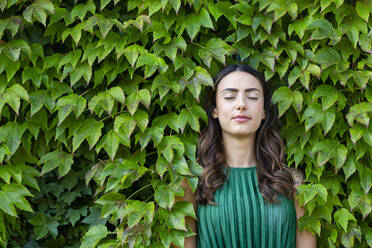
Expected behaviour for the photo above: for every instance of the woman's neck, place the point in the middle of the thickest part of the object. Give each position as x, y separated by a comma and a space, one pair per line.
239, 152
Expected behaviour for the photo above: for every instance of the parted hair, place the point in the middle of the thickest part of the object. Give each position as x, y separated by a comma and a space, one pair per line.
274, 177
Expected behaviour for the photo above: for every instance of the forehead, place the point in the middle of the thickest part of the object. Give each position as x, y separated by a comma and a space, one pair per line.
239, 80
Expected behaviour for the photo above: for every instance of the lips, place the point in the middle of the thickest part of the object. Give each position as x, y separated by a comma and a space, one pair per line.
241, 118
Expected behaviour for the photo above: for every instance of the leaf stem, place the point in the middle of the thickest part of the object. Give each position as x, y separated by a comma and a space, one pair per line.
82, 94
139, 190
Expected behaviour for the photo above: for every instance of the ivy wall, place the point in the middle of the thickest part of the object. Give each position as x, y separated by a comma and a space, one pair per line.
100, 111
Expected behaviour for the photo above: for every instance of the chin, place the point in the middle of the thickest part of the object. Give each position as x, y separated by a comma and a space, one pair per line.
242, 133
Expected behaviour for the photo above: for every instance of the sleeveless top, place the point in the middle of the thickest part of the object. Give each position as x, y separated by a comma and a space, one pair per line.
242, 219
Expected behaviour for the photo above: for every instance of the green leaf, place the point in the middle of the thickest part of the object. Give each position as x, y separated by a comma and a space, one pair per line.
341, 154
300, 26
109, 142
347, 239
43, 224
11, 171
195, 20
312, 115
19, 91
38, 11
349, 168
342, 217
11, 70
192, 25
294, 75
329, 119
308, 192
285, 97
13, 195
117, 93
29, 175
356, 133
362, 78
124, 125
365, 41
142, 119
12, 100
89, 130
282, 96
186, 116
367, 137
326, 57
73, 215
365, 176
4, 151
81, 10
52, 61
323, 29
11, 133
104, 25
93, 236
104, 3
83, 70
35, 74
161, 166
176, 5
38, 99
65, 105
363, 8
359, 112
352, 26
218, 49
142, 96
131, 53
12, 52
180, 210
181, 166
153, 8
46, 5
199, 77
369, 236
324, 150
56, 159
71, 58
204, 18
358, 199
164, 196
314, 70
174, 236
328, 93
168, 144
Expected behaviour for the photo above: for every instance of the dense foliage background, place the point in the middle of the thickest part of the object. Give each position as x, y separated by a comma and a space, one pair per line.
100, 113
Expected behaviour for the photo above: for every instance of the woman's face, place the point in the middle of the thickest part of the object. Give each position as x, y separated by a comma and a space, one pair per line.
239, 104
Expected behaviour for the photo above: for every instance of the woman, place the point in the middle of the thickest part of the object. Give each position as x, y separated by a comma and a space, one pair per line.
245, 195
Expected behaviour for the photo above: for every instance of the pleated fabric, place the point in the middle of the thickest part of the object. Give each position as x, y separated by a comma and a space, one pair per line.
242, 219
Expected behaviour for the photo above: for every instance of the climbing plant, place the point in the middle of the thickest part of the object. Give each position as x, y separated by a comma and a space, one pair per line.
101, 109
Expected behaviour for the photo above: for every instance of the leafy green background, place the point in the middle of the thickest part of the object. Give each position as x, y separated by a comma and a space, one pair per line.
100, 113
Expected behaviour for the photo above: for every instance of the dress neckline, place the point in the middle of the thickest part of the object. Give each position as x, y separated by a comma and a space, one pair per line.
242, 168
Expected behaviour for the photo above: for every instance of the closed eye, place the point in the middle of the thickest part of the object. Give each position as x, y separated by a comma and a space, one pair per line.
253, 98
229, 97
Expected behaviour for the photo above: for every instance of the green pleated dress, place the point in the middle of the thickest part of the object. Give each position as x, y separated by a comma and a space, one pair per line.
243, 219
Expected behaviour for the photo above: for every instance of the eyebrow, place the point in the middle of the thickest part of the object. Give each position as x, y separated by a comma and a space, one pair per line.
236, 90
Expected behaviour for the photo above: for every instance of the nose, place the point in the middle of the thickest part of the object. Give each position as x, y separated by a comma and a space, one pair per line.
241, 103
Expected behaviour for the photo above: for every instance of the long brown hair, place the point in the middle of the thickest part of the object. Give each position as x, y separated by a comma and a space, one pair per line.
274, 177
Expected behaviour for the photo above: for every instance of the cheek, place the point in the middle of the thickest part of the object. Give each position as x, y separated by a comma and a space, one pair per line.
222, 107
259, 107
